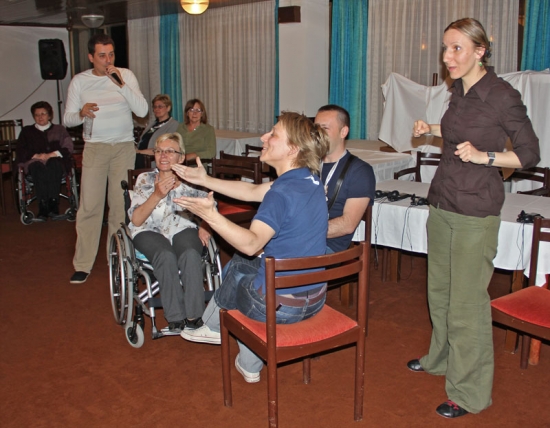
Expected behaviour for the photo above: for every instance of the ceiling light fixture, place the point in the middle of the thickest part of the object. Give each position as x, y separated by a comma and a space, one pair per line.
194, 7
92, 20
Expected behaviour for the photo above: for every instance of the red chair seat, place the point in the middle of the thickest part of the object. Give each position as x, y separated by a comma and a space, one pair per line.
531, 304
325, 324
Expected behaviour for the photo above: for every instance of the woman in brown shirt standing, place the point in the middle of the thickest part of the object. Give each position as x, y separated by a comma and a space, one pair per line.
466, 196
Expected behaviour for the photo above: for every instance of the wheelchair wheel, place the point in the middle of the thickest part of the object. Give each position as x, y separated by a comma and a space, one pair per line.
71, 214
118, 270
27, 217
213, 267
134, 335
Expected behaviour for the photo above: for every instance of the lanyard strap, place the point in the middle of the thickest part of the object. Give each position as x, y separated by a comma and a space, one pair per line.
340, 181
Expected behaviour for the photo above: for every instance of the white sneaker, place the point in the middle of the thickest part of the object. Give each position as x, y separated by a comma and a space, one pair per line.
248, 377
201, 335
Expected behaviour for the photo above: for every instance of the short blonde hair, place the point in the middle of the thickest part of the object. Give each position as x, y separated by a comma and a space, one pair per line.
311, 140
174, 136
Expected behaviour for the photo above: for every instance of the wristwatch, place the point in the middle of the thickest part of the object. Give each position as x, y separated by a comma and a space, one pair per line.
491, 158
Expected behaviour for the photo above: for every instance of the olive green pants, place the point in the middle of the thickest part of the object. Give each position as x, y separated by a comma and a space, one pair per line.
461, 250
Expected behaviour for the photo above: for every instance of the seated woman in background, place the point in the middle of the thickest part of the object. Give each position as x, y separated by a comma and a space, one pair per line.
164, 124
169, 236
292, 221
44, 151
198, 136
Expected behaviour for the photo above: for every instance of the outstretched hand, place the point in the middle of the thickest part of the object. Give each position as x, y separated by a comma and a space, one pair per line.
205, 208
192, 175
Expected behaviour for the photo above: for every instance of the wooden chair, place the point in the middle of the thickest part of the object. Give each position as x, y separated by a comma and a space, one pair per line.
527, 310
268, 173
249, 150
7, 168
235, 210
538, 174
346, 296
327, 330
7, 129
422, 159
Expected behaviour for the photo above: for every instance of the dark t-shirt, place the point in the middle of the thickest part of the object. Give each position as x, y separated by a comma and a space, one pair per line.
359, 182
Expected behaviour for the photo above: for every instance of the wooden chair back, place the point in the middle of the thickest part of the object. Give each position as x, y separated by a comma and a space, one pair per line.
250, 149
8, 129
537, 174
236, 169
327, 330
422, 159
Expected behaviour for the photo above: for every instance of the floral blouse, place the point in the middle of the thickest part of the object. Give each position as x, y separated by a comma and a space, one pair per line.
167, 218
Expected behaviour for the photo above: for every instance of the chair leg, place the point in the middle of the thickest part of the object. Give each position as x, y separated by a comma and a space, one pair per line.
226, 364
272, 405
525, 345
534, 352
359, 380
307, 370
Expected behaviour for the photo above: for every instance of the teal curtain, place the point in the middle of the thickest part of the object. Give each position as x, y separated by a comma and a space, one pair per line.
348, 62
536, 38
170, 73
276, 97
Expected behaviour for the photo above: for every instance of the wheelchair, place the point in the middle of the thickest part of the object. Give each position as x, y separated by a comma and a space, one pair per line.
134, 288
26, 195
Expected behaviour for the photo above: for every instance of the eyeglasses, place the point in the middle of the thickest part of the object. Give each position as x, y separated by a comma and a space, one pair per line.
159, 106
195, 110
41, 114
167, 152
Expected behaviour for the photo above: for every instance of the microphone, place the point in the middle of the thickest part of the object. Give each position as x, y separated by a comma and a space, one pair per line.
115, 76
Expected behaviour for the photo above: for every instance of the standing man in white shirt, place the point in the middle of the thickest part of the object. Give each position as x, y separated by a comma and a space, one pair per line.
109, 96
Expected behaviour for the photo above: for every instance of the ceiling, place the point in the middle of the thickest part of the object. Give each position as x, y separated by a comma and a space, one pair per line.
67, 13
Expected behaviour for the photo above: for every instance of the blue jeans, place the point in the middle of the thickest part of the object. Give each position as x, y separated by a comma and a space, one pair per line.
237, 292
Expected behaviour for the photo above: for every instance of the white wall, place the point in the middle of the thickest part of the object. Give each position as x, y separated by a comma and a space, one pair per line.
304, 58
20, 72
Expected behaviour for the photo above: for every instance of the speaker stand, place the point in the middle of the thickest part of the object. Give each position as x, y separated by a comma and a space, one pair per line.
59, 102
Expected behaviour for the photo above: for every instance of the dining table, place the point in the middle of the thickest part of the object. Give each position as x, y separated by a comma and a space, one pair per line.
401, 226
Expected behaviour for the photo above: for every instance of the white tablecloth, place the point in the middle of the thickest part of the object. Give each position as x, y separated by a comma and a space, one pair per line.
398, 225
233, 142
384, 164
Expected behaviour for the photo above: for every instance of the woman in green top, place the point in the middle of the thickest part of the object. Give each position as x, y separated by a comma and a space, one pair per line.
198, 136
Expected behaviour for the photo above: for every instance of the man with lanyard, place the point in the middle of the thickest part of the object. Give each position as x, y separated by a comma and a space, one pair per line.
349, 182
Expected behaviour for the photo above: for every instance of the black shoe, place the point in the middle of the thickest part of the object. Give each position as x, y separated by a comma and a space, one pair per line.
79, 277
194, 324
173, 328
414, 365
53, 208
43, 210
450, 409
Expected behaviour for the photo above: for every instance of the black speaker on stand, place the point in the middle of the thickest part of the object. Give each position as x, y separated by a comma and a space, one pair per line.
53, 63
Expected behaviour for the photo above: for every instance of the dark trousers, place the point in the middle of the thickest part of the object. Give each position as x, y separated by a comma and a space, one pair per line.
47, 178
178, 268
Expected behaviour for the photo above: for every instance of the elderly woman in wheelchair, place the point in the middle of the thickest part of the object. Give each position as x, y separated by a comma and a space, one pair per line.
44, 151
169, 236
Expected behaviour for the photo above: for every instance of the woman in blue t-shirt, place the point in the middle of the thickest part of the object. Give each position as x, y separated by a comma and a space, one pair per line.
292, 221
